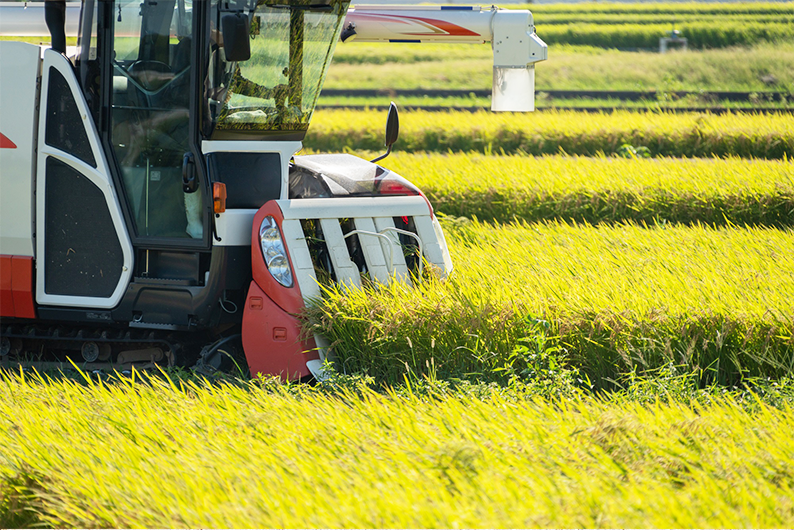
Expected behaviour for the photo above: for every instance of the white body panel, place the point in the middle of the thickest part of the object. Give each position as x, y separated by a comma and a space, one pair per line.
339, 208
511, 31
420, 24
99, 176
234, 227
19, 74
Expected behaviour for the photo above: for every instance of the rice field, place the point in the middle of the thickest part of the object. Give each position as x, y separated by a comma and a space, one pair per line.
663, 134
409, 66
604, 300
161, 454
705, 25
684, 10
614, 348
761, 102
699, 34
603, 189
602, 265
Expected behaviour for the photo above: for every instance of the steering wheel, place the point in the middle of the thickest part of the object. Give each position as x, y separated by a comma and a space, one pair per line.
150, 75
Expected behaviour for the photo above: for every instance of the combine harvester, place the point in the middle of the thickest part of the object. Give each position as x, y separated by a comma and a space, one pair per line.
151, 206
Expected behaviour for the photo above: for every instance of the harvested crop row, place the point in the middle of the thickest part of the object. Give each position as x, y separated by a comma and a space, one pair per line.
699, 135
604, 189
142, 455
612, 298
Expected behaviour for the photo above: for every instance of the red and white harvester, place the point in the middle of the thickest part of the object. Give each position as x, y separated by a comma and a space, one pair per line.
152, 208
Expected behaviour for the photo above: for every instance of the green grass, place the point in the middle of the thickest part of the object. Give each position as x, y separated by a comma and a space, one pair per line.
664, 134
603, 189
605, 300
148, 454
699, 34
763, 67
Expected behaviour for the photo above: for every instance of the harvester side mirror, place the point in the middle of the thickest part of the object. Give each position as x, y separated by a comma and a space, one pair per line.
237, 45
392, 126
392, 130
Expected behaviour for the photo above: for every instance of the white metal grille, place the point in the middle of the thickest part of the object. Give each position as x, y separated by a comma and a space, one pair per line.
378, 237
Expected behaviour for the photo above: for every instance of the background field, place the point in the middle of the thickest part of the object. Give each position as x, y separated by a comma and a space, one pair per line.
601, 46
758, 68
542, 277
640, 25
571, 132
614, 347
604, 189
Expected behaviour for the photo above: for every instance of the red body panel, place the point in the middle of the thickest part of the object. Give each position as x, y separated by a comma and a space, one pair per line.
271, 331
288, 298
16, 287
271, 339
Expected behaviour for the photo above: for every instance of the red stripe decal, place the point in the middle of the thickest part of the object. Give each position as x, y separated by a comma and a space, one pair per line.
5, 143
449, 27
434, 26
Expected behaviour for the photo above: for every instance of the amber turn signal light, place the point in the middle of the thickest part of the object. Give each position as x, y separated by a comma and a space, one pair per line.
218, 197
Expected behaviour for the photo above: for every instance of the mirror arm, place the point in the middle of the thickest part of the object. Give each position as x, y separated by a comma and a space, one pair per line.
384, 155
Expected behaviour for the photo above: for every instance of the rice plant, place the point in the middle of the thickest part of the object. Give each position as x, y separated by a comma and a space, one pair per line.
663, 134
604, 189
605, 300
155, 453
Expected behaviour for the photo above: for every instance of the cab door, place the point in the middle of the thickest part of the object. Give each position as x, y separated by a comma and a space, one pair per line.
150, 125
84, 256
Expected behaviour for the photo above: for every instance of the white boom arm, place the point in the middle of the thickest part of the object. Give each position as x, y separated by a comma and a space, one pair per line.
516, 46
23, 19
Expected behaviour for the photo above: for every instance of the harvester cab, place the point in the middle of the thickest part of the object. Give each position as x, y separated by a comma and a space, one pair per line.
152, 206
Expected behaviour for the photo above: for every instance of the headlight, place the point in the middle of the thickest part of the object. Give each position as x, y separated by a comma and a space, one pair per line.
274, 252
